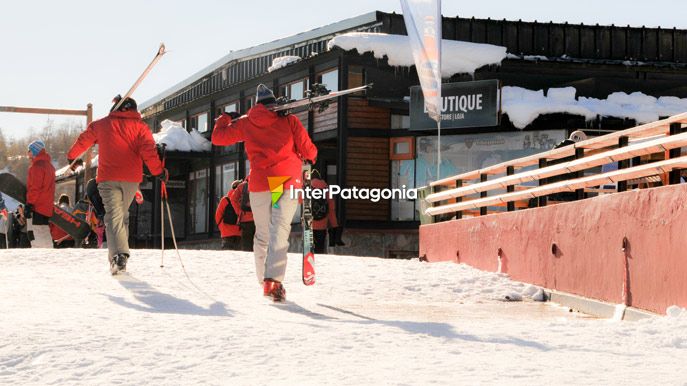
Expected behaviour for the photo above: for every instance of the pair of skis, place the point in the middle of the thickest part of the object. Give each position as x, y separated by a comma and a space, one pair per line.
160, 51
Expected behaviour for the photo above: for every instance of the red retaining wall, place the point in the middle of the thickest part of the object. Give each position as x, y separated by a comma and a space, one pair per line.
589, 259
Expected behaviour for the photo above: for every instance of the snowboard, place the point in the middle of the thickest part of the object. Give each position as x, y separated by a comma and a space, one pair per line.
72, 225
306, 220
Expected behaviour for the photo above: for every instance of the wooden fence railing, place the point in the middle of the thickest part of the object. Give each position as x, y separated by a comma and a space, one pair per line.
664, 137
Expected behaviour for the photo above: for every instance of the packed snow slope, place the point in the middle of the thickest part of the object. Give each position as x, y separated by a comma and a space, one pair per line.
65, 320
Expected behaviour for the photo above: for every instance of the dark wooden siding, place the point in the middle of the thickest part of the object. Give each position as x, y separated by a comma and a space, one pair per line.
326, 120
303, 116
556, 39
367, 167
363, 116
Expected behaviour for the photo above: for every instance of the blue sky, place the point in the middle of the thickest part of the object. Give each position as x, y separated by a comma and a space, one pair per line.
65, 54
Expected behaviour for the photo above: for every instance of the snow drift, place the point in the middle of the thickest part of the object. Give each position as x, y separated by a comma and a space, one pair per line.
282, 61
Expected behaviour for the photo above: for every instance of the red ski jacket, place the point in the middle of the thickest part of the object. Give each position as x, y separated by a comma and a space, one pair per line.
236, 196
124, 141
40, 184
330, 220
225, 230
276, 145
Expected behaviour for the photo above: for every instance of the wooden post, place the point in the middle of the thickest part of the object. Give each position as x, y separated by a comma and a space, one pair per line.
542, 200
483, 210
579, 193
459, 214
622, 142
674, 175
434, 189
510, 170
89, 152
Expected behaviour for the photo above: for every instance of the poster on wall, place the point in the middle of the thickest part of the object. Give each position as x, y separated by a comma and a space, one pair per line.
464, 153
464, 104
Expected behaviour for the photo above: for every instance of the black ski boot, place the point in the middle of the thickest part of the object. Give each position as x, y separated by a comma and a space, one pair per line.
118, 263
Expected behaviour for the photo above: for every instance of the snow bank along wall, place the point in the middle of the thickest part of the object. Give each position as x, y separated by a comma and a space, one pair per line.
577, 247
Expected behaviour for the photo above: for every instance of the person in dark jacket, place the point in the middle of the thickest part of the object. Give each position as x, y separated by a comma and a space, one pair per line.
328, 222
124, 143
40, 194
276, 146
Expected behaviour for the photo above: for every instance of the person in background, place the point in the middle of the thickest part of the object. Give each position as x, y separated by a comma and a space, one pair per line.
4, 225
324, 217
240, 200
124, 143
276, 145
40, 193
60, 238
227, 221
20, 232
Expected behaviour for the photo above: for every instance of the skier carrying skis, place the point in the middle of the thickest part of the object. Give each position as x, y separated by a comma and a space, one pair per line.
40, 193
276, 146
124, 142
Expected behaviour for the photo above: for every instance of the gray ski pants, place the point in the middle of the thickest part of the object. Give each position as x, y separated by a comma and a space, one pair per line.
117, 197
272, 229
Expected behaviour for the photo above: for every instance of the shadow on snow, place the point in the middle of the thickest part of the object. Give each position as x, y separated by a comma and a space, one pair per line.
158, 302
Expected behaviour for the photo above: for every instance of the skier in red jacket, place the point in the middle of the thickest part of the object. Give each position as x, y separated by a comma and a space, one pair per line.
124, 143
228, 222
40, 194
276, 147
241, 205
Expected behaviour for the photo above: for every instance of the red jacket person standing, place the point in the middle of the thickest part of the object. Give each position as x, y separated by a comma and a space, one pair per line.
40, 194
276, 147
124, 143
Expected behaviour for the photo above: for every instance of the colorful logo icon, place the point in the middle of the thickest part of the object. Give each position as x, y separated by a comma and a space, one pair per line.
277, 188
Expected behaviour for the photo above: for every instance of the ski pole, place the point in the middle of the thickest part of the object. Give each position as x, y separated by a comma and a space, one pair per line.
163, 198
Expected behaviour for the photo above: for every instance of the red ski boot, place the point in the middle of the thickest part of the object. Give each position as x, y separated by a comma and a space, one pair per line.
275, 290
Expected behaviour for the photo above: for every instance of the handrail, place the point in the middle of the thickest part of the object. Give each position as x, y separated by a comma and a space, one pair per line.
569, 185
646, 130
615, 155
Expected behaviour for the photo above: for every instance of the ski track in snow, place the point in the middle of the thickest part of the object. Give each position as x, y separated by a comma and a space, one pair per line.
65, 320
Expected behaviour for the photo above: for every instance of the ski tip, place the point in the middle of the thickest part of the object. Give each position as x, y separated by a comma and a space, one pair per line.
162, 49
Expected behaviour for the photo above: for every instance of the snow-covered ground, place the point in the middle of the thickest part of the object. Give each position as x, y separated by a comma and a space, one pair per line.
65, 320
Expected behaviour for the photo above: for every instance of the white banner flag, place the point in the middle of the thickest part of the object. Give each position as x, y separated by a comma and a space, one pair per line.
423, 23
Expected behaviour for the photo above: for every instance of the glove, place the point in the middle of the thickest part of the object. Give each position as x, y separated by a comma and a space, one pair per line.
223, 121
164, 176
28, 211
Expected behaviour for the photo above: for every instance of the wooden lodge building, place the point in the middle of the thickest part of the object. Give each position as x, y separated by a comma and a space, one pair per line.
365, 140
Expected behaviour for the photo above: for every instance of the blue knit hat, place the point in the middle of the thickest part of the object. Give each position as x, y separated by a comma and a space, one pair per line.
264, 95
36, 146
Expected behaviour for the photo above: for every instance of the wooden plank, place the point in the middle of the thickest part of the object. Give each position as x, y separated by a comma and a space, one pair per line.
37, 110
650, 169
639, 132
638, 149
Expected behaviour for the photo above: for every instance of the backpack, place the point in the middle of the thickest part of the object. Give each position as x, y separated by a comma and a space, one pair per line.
245, 198
229, 217
319, 207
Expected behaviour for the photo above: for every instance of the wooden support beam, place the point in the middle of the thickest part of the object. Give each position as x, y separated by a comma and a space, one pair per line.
35, 110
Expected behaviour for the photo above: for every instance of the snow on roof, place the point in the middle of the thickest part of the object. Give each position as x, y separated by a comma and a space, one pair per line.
62, 172
457, 56
177, 138
523, 106
263, 49
282, 61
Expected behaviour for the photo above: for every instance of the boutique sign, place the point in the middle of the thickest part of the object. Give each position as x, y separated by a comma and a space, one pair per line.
464, 104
